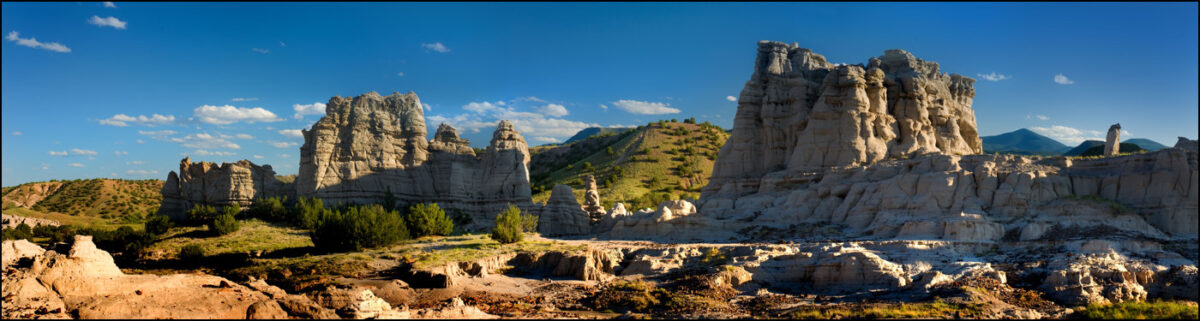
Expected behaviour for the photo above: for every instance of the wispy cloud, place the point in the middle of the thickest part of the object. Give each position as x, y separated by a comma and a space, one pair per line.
202, 152
400, 74
427, 107
120, 153
107, 22
992, 76
122, 120
16, 133
1042, 117
260, 50
482, 107
76, 151
224, 115
315, 108
58, 153
204, 141
1068, 135
437, 46
294, 133
156, 132
258, 157
136, 162
281, 44
76, 165
552, 110
283, 144
141, 172
1063, 80
109, 4
33, 43
730, 98
645, 107
245, 99
546, 139
604, 107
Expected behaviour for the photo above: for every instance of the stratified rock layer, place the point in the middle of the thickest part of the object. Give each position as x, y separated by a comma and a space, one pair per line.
370, 146
227, 184
562, 214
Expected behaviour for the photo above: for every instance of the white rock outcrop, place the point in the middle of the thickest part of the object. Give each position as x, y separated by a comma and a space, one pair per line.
563, 215
236, 184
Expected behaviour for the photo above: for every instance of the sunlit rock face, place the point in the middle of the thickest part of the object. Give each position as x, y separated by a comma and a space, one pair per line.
228, 184
369, 147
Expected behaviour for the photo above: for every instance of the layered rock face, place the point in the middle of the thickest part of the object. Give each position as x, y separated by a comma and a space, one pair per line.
370, 146
227, 184
798, 112
1112, 142
563, 215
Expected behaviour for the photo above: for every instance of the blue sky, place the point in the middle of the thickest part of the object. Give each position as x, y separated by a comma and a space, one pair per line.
83, 82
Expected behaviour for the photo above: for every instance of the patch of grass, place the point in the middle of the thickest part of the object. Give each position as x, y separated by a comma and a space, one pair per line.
1156, 309
923, 310
434, 251
254, 235
297, 274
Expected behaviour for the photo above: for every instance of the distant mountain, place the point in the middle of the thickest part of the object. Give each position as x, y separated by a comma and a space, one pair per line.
1078, 150
593, 131
1147, 144
1024, 142
1126, 148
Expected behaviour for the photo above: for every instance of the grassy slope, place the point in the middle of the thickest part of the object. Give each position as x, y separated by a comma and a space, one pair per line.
658, 152
91, 201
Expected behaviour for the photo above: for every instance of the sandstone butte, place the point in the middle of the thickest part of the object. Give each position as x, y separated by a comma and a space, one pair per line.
871, 175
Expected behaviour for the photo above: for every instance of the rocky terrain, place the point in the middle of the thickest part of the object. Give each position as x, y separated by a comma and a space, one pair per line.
226, 184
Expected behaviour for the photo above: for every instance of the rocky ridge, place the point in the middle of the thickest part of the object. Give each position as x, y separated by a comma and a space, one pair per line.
222, 185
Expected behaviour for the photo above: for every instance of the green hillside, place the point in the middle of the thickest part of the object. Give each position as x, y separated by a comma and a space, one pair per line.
1024, 142
593, 131
117, 200
660, 161
1146, 144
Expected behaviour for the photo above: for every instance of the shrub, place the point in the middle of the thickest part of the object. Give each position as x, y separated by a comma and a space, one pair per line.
508, 226
308, 212
1156, 309
269, 209
587, 166
609, 150
158, 224
201, 214
226, 222
44, 230
191, 252
428, 219
22, 231
357, 227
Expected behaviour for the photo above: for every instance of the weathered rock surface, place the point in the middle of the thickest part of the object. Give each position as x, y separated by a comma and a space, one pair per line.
15, 250
800, 112
370, 146
87, 283
562, 214
236, 184
1112, 142
591, 200
12, 221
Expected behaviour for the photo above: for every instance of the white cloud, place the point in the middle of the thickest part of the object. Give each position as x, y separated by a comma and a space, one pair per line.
58, 153
546, 139
604, 107
136, 162
644, 107
283, 144
291, 133
260, 50
109, 4
202, 152
204, 141
531, 98
119, 153
139, 141
1063, 80
107, 22
16, 133
224, 115
400, 74
141, 172
258, 157
1068, 135
437, 46
552, 110
243, 136
76, 151
1042, 117
75, 165
33, 43
157, 132
427, 107
122, 120
993, 76
45, 166
730, 98
281, 44
481, 108
284, 155
310, 109
245, 99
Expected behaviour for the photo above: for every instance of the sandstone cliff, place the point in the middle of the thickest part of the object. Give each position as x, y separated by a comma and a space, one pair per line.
799, 112
370, 146
222, 185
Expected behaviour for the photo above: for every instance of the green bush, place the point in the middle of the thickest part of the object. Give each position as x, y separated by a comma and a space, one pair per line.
226, 222
354, 228
508, 226
1156, 309
191, 252
308, 212
269, 209
22, 231
428, 219
158, 224
201, 214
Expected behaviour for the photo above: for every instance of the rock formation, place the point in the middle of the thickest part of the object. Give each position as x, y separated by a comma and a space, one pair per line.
12, 221
370, 146
562, 214
799, 112
591, 200
1112, 144
228, 184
